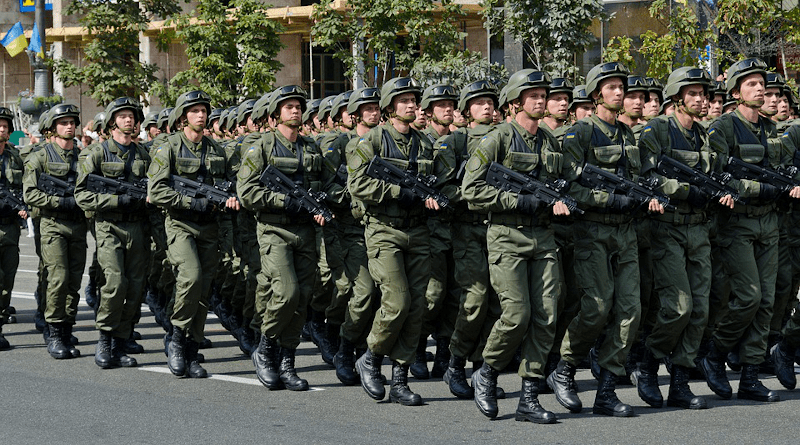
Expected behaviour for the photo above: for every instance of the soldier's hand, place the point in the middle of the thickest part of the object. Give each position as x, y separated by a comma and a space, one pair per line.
319, 219
67, 203
560, 209
233, 203
431, 204
795, 192
655, 207
199, 205
23, 214
727, 201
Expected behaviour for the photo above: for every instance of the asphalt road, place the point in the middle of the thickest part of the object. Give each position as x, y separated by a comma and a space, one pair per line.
75, 402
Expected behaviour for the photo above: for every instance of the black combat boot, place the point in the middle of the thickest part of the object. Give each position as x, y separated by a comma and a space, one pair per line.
646, 378
193, 368
549, 367
131, 347
442, 357
782, 358
484, 383
69, 340
176, 356
606, 401
456, 378
288, 374
265, 359
38, 321
332, 334
103, 356
680, 395
399, 391
368, 367
562, 382
750, 388
529, 409
226, 316
499, 392
90, 293
118, 351
713, 366
419, 369
319, 336
344, 361
4, 344
594, 364
242, 336
55, 342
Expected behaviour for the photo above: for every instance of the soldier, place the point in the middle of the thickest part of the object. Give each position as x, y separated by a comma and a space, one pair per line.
681, 251
558, 102
212, 128
285, 235
11, 185
150, 126
655, 95
581, 105
748, 236
397, 239
636, 96
62, 226
716, 93
310, 121
191, 227
120, 230
523, 265
606, 257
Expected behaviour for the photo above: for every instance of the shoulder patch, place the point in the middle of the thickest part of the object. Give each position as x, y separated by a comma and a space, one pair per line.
712, 131
570, 136
647, 128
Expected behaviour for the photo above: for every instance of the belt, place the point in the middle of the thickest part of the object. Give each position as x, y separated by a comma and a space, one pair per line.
74, 215
612, 219
281, 218
513, 219
397, 223
754, 210
678, 218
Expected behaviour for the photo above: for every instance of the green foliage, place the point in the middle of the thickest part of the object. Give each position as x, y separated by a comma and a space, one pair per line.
459, 70
388, 34
231, 52
111, 65
620, 49
554, 31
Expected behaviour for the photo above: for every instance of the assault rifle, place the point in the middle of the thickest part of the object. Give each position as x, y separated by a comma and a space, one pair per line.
506, 179
101, 184
642, 191
421, 185
714, 184
313, 202
9, 198
54, 186
782, 178
217, 194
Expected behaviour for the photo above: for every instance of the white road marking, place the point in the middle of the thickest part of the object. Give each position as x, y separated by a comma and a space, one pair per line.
224, 378
36, 271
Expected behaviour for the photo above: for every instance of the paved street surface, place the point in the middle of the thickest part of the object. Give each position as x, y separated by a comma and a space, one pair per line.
74, 401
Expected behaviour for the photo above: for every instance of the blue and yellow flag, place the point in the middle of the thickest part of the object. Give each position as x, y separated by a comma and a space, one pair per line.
14, 41
36, 43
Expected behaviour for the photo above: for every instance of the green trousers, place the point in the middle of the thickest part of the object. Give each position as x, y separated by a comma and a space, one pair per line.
682, 270
607, 273
122, 255
443, 293
323, 282
356, 285
788, 270
399, 262
9, 258
64, 258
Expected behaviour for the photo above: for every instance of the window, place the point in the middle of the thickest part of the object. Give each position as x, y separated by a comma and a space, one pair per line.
329, 73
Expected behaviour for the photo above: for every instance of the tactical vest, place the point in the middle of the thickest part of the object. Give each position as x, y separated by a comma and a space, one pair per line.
621, 158
112, 166
682, 151
749, 148
303, 167
58, 167
391, 152
203, 169
522, 158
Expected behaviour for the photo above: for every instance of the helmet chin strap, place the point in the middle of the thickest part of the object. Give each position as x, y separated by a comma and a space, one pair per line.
609, 107
403, 119
439, 121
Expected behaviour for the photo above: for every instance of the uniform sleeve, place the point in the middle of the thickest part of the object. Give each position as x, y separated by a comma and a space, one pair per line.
362, 187
30, 179
445, 159
333, 157
479, 194
574, 160
254, 195
651, 148
91, 201
720, 137
158, 184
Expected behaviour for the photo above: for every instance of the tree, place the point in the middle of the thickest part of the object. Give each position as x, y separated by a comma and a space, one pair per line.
231, 52
553, 31
390, 35
112, 67
459, 70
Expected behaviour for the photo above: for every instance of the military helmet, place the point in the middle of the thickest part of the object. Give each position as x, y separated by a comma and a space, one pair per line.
340, 103
312, 107
7, 114
686, 75
719, 87
244, 109
98, 125
667, 102
579, 96
151, 119
188, 100
396, 86
172, 120
502, 98
775, 80
233, 118
637, 83
744, 68
366, 95
729, 100
604, 71
655, 86
260, 107
561, 85
325, 107
57, 112
119, 104
163, 119
216, 113
479, 88
285, 93
439, 91
524, 80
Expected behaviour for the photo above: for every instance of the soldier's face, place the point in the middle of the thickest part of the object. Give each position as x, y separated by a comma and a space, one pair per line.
652, 105
558, 104
783, 106
405, 106
751, 90
65, 128
370, 114
291, 113
196, 117
347, 120
443, 111
583, 110
3, 130
693, 97
421, 121
481, 109
534, 101
771, 98
634, 103
715, 106
612, 91
124, 120
251, 126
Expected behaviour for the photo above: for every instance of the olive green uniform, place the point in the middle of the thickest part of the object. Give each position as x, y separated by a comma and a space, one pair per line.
192, 237
287, 242
397, 239
606, 255
681, 252
11, 180
63, 232
121, 233
748, 239
788, 247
